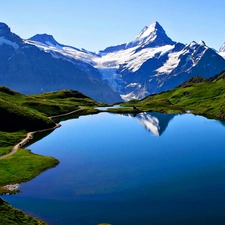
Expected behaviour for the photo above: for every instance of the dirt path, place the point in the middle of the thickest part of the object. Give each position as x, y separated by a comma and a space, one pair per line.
66, 114
30, 134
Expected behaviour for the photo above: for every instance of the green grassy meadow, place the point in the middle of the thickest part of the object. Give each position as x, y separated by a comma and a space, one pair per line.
200, 96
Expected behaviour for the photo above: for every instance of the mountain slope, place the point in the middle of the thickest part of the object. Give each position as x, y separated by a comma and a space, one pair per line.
151, 63
198, 95
30, 113
143, 71
27, 69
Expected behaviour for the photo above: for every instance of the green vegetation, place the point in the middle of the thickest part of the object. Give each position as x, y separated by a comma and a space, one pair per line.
54, 103
5, 150
200, 96
21, 114
9, 215
8, 140
123, 110
23, 166
11, 138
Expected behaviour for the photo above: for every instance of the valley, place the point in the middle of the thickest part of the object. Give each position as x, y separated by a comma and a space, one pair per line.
85, 162
44, 110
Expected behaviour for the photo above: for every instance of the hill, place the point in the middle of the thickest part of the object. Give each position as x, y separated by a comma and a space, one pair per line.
21, 112
198, 95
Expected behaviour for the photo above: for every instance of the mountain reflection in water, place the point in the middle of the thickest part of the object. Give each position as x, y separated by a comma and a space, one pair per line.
154, 122
112, 171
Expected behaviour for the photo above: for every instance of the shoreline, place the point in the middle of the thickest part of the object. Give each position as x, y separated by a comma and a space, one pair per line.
29, 135
26, 140
11, 188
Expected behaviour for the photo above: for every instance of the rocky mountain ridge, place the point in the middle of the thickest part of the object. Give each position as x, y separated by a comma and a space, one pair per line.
28, 69
149, 64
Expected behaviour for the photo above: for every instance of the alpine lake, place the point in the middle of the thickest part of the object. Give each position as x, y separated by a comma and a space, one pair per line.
148, 168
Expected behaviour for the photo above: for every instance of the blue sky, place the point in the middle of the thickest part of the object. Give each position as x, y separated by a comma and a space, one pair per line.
96, 24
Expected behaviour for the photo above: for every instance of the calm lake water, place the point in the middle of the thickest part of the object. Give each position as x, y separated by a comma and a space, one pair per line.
123, 170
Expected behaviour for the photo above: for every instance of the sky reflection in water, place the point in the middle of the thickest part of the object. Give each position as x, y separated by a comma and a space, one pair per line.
112, 170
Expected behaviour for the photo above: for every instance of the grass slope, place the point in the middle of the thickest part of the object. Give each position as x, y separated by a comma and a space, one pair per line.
200, 96
21, 114
54, 103
9, 215
23, 166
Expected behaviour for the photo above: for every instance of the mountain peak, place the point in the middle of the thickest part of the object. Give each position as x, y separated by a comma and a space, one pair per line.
150, 30
4, 29
202, 43
45, 39
5, 33
152, 36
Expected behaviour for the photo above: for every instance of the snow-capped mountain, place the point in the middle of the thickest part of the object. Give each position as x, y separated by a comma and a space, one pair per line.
149, 64
151, 36
27, 69
152, 66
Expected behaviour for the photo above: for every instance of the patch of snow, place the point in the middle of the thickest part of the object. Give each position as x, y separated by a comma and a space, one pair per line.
130, 57
192, 45
136, 60
51, 44
112, 78
128, 97
8, 42
221, 54
142, 33
170, 64
132, 85
202, 43
68, 52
